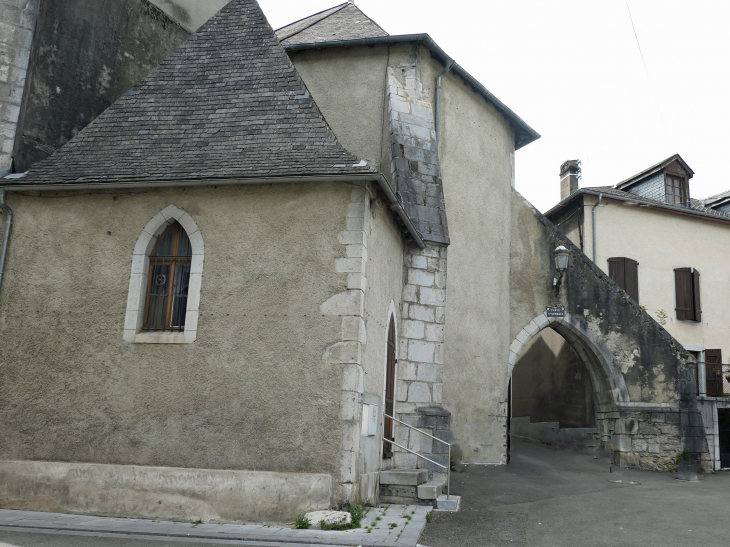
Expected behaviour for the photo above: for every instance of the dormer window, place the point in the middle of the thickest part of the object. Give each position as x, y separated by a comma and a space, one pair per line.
675, 190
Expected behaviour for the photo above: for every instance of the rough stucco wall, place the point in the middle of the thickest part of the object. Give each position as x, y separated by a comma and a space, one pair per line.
646, 235
476, 145
253, 392
85, 55
349, 88
191, 14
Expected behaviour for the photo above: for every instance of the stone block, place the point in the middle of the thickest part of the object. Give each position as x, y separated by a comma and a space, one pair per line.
419, 262
345, 303
402, 434
419, 393
413, 329
316, 518
343, 352
401, 390
358, 224
353, 328
421, 352
356, 210
622, 443
440, 315
438, 354
430, 490
432, 297
420, 277
448, 503
349, 265
439, 459
516, 347
437, 393
418, 442
406, 370
419, 420
523, 337
352, 237
627, 426
434, 332
357, 281
429, 372
422, 313
410, 293
402, 460
440, 280
444, 435
352, 379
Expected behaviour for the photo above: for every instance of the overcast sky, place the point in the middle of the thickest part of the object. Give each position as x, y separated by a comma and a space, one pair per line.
572, 70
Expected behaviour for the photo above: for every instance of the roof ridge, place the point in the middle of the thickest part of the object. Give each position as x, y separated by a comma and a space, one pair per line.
332, 11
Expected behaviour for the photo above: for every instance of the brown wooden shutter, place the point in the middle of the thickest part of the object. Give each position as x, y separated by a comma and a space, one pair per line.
631, 274
713, 372
616, 270
696, 308
683, 289
625, 272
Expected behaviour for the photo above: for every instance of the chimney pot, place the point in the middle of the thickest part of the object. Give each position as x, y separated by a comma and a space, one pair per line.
569, 177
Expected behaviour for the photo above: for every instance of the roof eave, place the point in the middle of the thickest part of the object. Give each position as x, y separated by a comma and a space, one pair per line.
524, 134
662, 207
361, 177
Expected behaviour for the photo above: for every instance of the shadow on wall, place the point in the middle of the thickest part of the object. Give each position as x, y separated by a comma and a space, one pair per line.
550, 383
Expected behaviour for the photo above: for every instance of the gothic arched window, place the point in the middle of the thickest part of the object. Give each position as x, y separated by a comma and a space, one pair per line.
169, 280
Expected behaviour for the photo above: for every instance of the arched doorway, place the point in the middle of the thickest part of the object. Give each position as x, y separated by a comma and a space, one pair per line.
563, 382
389, 390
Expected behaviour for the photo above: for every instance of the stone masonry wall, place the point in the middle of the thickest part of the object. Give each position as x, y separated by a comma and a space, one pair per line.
17, 23
421, 366
348, 352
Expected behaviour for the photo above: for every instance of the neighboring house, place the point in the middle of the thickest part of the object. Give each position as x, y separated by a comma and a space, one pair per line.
665, 249
215, 291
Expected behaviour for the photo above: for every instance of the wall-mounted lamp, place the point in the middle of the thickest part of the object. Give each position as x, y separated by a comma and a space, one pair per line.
562, 256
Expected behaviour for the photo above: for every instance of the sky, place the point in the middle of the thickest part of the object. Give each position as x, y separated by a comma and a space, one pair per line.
572, 69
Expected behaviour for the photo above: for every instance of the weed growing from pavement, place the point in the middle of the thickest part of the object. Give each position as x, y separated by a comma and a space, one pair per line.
302, 523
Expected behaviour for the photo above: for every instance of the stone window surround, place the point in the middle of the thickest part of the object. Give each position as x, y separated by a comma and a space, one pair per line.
134, 316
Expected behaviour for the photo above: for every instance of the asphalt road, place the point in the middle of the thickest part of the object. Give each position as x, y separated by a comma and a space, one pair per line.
547, 498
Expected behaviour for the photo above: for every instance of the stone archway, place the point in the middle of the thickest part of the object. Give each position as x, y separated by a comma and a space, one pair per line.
607, 380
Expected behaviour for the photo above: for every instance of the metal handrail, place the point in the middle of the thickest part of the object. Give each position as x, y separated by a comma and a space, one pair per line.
447, 466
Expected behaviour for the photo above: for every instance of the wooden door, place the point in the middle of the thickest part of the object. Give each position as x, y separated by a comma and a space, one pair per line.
713, 372
389, 391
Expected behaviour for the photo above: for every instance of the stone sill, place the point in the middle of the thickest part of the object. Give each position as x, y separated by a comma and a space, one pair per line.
186, 337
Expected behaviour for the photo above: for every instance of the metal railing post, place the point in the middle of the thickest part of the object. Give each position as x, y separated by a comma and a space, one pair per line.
448, 476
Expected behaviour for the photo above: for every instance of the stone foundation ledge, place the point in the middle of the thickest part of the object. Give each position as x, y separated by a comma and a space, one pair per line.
180, 494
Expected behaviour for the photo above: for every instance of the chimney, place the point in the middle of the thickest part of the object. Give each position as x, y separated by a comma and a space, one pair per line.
569, 177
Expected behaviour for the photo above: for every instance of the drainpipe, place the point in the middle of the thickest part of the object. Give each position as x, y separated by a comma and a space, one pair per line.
600, 197
6, 233
449, 66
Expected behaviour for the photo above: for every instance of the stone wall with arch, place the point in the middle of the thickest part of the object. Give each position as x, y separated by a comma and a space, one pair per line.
646, 407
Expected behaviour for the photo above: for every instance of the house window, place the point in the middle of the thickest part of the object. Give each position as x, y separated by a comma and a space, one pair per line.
625, 272
687, 288
169, 280
675, 190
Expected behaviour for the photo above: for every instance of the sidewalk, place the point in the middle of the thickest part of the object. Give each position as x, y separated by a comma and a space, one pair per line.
392, 529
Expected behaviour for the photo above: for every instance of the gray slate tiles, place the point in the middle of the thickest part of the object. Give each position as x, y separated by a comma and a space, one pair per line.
227, 104
343, 22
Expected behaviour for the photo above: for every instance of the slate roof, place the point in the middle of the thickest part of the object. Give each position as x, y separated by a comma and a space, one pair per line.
695, 206
226, 104
343, 22
653, 169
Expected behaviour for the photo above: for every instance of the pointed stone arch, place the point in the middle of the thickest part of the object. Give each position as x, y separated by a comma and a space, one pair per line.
138, 279
606, 377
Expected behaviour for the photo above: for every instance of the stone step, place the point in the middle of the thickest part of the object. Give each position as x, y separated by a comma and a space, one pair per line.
404, 477
450, 504
430, 490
